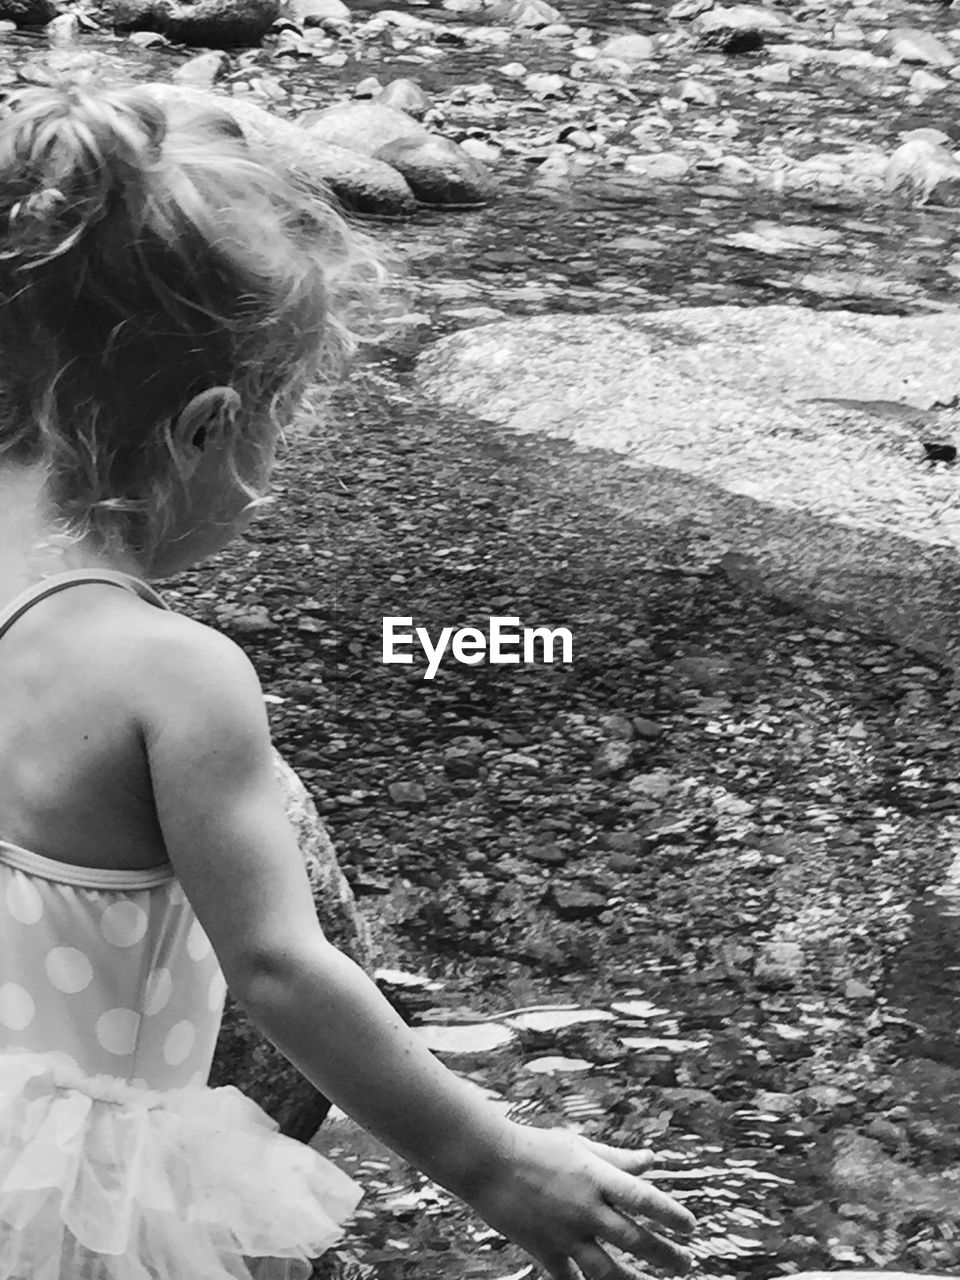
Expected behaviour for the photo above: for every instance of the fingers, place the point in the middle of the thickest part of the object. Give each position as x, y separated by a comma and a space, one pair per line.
621, 1158
643, 1244
635, 1197
565, 1269
596, 1264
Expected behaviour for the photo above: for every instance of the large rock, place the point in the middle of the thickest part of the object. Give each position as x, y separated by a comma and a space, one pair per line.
776, 429
214, 24
28, 13
244, 1057
740, 28
364, 127
437, 170
360, 183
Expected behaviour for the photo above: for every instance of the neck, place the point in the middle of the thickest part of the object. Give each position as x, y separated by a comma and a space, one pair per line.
31, 545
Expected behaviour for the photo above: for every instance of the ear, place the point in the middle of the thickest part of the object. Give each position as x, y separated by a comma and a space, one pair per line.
202, 420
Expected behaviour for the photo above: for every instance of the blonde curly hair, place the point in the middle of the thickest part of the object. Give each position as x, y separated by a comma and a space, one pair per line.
152, 265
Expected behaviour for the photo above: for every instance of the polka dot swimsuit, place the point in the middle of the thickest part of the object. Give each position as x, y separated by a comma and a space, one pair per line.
117, 1162
110, 969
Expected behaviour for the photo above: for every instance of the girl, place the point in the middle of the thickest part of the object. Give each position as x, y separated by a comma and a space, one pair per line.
165, 297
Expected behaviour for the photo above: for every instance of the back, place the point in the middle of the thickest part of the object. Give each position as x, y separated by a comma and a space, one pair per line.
74, 779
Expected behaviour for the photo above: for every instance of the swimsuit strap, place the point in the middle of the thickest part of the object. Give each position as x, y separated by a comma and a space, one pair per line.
60, 581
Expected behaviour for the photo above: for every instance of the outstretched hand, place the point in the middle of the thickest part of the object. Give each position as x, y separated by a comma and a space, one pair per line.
566, 1200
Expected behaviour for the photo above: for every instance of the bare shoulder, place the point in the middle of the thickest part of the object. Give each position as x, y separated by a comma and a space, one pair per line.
193, 669
172, 666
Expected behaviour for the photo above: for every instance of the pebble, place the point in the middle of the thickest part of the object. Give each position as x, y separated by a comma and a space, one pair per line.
617, 726
201, 70
612, 758
779, 963
576, 904
548, 853
248, 620
409, 794
629, 48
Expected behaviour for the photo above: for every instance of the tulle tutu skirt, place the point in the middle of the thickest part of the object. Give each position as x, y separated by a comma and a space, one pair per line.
104, 1180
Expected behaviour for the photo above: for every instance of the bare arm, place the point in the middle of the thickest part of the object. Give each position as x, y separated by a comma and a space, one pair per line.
226, 833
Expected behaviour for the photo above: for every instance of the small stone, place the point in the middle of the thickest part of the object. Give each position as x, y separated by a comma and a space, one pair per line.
517, 760
662, 164
706, 672
779, 964
409, 794
628, 842
911, 44
548, 853
624, 863
611, 759
695, 91
924, 82
780, 1104
630, 48
370, 87
463, 761
854, 990
827, 1097
646, 728
487, 154
576, 904
526, 13
617, 726
656, 785
405, 95
63, 30
310, 13
248, 620
543, 84
201, 70
888, 1134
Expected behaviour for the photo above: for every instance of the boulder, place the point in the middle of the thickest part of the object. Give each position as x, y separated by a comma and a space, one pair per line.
740, 28
244, 1057
360, 183
364, 127
438, 171
214, 24
28, 13
778, 428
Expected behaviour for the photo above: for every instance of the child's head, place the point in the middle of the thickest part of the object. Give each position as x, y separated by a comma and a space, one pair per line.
165, 297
